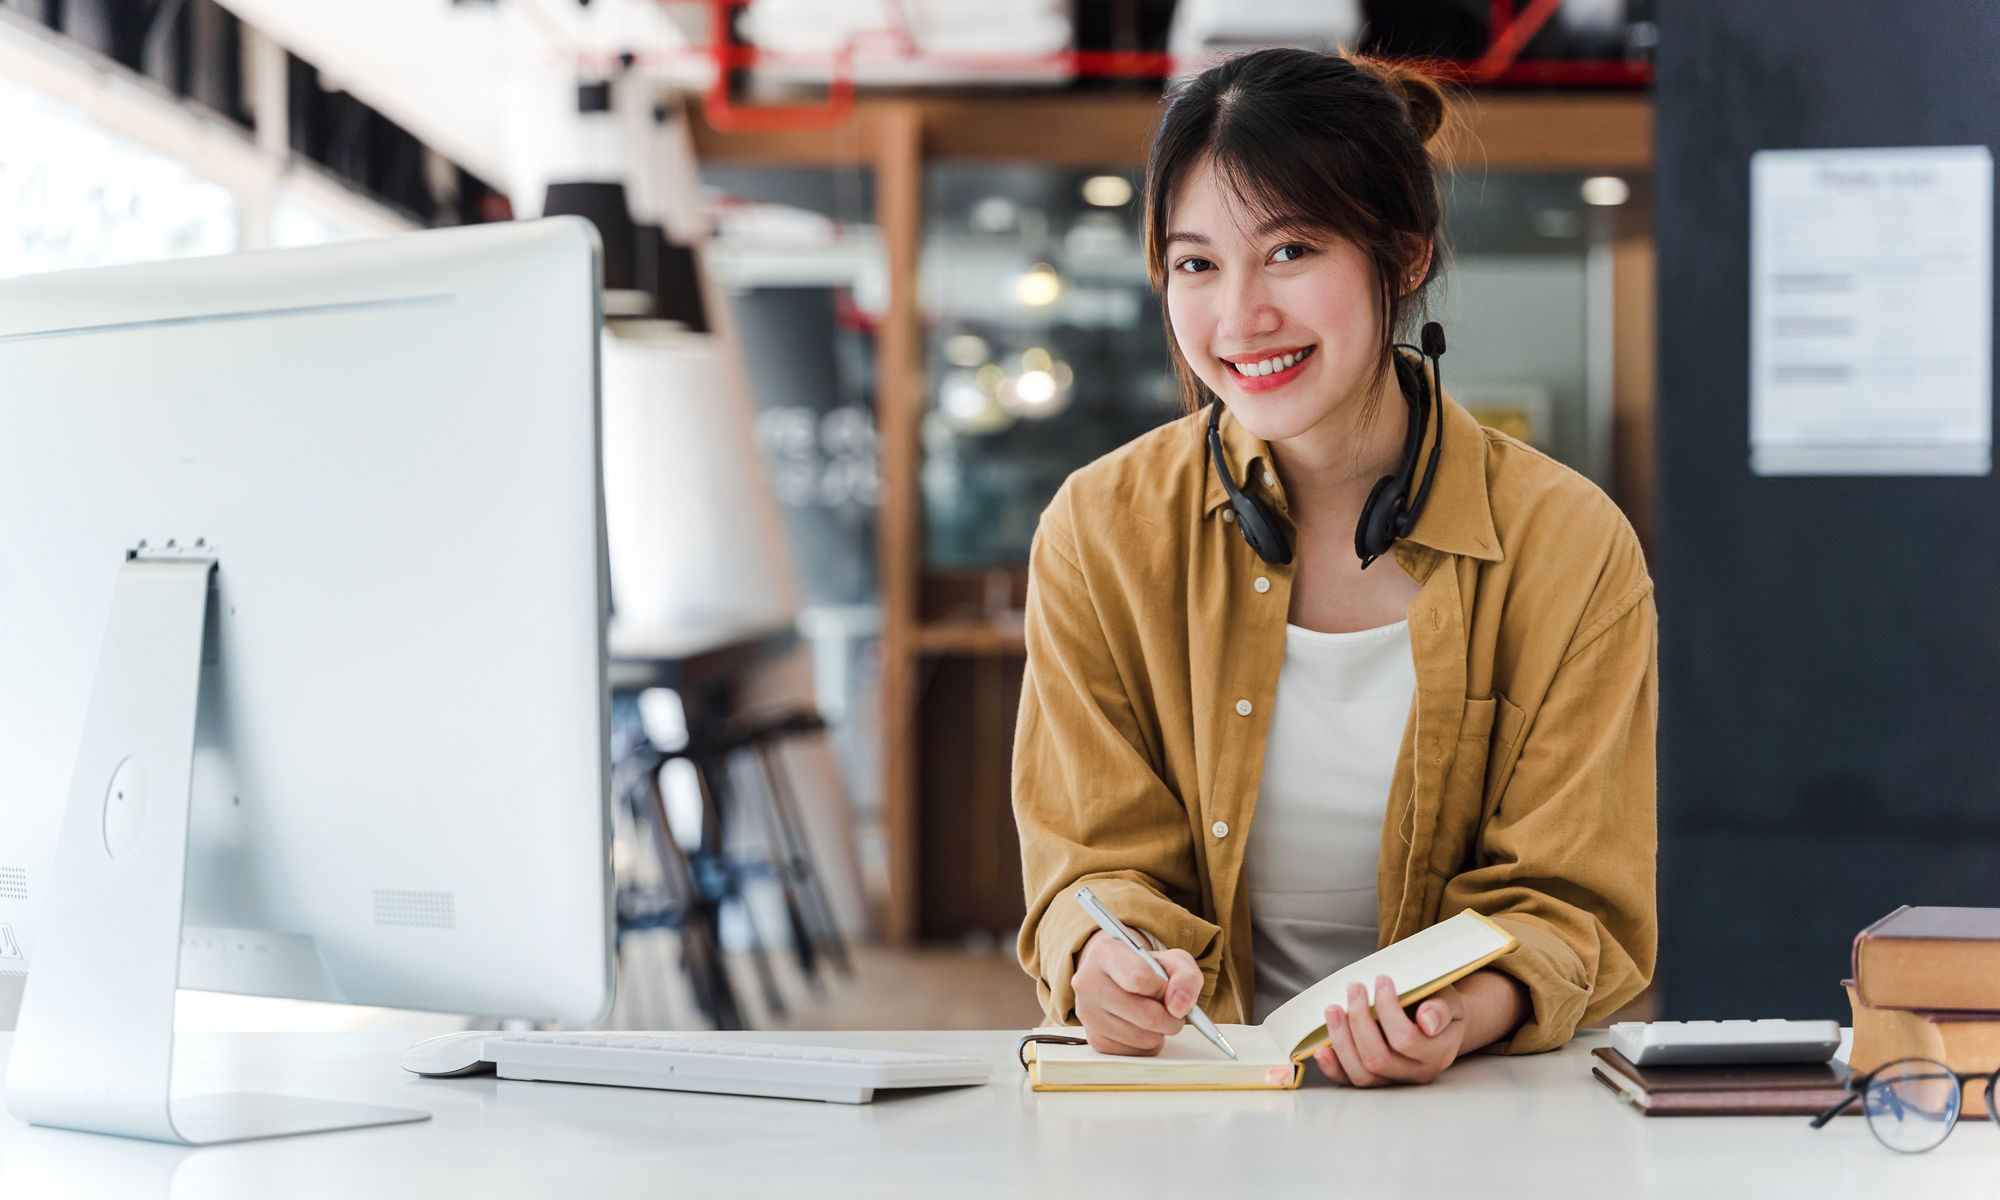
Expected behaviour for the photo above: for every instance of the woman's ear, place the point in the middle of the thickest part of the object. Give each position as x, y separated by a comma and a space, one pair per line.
1419, 259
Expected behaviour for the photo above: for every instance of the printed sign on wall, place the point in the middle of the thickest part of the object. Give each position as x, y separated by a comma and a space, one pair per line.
1871, 311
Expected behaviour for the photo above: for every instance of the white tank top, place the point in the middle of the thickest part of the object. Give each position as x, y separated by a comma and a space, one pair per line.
1316, 835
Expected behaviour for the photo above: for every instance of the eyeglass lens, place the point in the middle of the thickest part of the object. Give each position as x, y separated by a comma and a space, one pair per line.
1912, 1104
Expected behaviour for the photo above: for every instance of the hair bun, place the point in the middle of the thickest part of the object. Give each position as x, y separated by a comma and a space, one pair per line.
1421, 95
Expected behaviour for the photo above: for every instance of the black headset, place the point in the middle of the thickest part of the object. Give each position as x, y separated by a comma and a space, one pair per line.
1391, 512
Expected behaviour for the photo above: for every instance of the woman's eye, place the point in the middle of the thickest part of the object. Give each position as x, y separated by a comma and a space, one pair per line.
1193, 266
1291, 253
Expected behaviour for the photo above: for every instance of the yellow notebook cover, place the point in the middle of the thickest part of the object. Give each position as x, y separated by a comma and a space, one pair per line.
1272, 1055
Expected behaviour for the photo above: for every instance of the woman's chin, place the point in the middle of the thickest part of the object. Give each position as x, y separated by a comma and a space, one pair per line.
1275, 417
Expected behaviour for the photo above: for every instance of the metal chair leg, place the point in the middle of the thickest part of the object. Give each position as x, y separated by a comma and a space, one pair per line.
726, 880
701, 945
791, 843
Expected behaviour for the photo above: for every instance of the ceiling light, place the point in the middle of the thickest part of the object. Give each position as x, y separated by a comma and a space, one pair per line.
1038, 391
961, 397
1605, 190
968, 405
966, 350
1107, 191
1038, 287
994, 214
1034, 389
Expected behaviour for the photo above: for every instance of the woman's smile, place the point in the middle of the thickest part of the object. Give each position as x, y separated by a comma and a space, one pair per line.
1264, 372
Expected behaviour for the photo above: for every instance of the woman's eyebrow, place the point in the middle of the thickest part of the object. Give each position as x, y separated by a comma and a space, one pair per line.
1179, 236
1292, 225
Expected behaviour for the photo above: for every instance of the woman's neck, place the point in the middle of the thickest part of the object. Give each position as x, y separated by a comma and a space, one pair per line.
1329, 469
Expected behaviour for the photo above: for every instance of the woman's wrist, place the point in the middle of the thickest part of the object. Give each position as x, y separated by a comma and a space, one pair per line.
1496, 1004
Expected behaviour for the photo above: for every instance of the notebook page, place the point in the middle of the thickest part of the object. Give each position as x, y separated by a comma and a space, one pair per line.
1460, 943
1187, 1059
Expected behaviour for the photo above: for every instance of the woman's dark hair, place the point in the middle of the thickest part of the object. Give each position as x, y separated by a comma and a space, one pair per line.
1331, 145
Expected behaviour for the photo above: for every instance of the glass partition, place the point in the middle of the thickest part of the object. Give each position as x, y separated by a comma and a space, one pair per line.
1046, 348
72, 195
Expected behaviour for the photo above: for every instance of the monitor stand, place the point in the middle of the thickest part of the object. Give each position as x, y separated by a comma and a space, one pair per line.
94, 1044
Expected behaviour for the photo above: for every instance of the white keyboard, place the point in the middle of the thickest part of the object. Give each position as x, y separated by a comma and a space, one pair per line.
1699, 1043
700, 1064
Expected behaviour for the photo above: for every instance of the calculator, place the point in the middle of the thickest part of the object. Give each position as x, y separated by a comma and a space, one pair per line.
1715, 1043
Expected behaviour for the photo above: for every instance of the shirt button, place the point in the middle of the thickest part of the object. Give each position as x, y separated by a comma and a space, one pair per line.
1242, 708
1229, 514
1270, 480
1220, 829
1262, 584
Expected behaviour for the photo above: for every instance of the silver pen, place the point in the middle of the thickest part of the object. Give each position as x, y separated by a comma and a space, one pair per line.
1116, 928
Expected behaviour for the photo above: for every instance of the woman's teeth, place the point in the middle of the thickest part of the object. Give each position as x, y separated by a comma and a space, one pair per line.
1269, 366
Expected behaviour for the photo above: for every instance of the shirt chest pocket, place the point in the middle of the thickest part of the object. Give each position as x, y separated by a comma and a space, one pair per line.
1488, 746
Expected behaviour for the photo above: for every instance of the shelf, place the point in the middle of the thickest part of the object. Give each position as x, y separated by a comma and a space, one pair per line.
965, 637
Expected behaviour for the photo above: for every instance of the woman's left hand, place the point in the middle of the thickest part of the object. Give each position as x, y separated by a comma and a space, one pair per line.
1376, 1044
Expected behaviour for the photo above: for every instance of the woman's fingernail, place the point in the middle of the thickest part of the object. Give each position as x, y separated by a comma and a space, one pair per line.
1337, 1018
1177, 1004
1433, 1023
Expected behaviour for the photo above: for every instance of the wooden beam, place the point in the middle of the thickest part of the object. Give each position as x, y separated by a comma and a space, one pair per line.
897, 142
1635, 366
1554, 131
1503, 131
1069, 130
858, 141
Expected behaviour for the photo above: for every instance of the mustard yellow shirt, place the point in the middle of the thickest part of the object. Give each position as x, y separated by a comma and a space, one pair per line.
1524, 788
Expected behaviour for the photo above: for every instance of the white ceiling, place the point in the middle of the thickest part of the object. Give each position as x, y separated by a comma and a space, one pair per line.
488, 83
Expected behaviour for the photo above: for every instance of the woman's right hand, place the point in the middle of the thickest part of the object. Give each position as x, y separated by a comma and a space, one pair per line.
1125, 1008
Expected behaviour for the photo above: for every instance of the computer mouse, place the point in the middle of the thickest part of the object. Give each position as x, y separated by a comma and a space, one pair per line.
449, 1054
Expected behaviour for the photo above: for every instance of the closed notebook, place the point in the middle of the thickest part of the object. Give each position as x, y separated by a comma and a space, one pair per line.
1273, 1054
1736, 1090
1932, 959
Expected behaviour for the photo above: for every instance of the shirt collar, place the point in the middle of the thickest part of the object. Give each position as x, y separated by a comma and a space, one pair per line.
1457, 516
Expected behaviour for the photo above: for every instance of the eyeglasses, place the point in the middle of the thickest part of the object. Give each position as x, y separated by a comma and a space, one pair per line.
1912, 1103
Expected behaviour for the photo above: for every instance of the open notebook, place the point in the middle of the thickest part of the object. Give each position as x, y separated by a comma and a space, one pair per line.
1273, 1054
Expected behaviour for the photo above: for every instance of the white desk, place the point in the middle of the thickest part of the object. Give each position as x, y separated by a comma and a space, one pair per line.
1526, 1127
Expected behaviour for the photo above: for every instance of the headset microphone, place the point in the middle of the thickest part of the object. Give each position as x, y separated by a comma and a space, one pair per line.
1390, 512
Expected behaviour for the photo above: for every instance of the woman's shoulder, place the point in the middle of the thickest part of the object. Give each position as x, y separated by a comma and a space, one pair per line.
1554, 521
1150, 483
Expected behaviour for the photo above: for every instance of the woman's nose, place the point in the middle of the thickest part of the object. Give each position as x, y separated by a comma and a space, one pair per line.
1247, 310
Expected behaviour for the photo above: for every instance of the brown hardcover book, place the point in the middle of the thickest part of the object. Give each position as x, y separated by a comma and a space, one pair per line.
1963, 1041
1775, 1090
1932, 959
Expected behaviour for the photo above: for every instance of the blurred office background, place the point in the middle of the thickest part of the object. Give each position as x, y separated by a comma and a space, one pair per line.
875, 288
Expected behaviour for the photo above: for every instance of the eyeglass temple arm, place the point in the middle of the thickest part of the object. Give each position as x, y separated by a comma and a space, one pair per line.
1846, 1102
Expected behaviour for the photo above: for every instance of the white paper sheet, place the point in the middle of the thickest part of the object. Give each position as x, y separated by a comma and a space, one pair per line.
1871, 311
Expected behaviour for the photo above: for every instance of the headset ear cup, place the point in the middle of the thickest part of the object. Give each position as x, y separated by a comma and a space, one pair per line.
1261, 532
1375, 532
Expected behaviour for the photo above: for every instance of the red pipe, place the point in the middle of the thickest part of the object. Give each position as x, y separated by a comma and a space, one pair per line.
1131, 64
723, 114
1510, 33
1507, 41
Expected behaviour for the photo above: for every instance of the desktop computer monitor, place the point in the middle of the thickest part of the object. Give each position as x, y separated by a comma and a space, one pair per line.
302, 674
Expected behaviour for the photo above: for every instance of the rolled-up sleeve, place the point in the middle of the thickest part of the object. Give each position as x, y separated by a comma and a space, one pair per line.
1567, 861
1090, 805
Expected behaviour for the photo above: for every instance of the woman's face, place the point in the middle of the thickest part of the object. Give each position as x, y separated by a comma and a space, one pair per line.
1284, 328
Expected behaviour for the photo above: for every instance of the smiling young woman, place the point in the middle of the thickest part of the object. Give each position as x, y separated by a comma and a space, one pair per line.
1386, 701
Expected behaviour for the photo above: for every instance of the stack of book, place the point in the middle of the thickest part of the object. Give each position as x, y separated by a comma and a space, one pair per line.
1927, 985
1741, 1090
